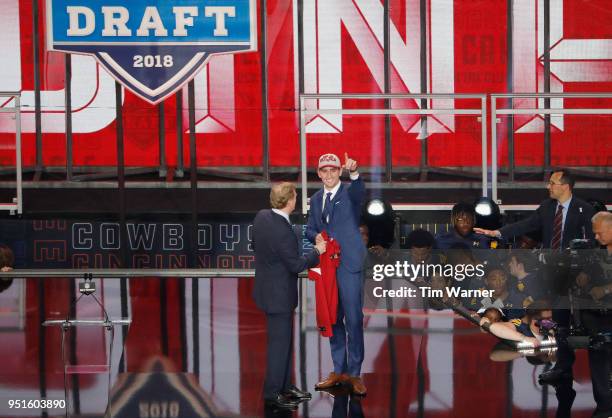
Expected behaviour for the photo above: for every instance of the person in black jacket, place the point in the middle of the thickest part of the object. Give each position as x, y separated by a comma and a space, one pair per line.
599, 321
560, 219
278, 261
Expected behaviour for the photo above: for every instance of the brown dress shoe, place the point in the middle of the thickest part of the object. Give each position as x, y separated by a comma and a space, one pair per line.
358, 387
330, 381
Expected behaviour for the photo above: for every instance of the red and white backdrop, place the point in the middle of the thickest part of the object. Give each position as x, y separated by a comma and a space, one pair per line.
466, 52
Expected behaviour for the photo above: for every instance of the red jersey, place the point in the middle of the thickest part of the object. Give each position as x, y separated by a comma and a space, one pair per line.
326, 289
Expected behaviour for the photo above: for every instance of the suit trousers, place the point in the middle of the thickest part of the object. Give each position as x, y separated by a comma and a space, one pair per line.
600, 358
279, 353
347, 341
565, 354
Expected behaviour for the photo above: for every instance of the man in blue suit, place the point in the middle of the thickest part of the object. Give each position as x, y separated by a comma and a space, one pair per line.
336, 209
278, 260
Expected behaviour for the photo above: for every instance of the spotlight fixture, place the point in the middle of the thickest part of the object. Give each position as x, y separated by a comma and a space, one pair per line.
376, 207
487, 213
378, 215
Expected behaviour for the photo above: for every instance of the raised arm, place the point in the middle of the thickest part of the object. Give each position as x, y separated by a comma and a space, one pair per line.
356, 189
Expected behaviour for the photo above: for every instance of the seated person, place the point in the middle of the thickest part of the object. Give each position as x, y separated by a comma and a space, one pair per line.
595, 281
420, 245
377, 250
7, 260
493, 315
461, 254
528, 242
504, 297
523, 267
463, 219
525, 329
445, 302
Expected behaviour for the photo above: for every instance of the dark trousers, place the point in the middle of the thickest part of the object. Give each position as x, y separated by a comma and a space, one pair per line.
600, 358
599, 363
347, 407
565, 354
279, 353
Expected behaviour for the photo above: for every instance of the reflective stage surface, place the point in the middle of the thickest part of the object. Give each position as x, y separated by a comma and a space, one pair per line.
197, 348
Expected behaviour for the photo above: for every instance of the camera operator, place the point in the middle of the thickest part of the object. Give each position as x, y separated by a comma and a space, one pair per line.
598, 322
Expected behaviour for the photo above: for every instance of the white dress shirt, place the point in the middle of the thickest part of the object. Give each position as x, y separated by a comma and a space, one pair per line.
354, 176
281, 213
565, 205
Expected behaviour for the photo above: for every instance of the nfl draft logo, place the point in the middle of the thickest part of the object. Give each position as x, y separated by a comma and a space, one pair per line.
152, 47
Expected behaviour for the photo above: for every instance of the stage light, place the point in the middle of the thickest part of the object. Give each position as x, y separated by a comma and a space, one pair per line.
378, 216
487, 213
376, 207
483, 208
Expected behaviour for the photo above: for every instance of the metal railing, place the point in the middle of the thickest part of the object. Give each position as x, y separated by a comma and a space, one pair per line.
534, 111
482, 113
124, 273
17, 204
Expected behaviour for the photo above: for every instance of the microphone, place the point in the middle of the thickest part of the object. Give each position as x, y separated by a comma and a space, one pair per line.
583, 228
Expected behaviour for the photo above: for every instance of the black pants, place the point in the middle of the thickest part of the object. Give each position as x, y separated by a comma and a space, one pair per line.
565, 354
279, 353
600, 358
347, 407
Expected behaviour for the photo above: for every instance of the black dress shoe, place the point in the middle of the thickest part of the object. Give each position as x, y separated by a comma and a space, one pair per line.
555, 376
281, 401
293, 392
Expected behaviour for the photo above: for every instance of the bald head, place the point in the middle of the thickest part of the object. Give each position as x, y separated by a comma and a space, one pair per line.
602, 228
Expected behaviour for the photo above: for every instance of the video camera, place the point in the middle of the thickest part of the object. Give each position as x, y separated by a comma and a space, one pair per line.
547, 327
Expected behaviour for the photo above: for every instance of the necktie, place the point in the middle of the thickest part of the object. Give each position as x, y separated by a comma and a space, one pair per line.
325, 215
555, 244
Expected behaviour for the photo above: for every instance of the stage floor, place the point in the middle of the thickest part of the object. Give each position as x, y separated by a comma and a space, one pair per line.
197, 348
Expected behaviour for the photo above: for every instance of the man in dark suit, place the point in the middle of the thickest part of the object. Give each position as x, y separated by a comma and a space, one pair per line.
278, 261
599, 321
560, 219
336, 208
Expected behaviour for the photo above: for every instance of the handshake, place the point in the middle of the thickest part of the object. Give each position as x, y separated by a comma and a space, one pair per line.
320, 244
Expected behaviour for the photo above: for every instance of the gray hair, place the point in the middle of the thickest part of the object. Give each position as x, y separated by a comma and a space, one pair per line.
602, 216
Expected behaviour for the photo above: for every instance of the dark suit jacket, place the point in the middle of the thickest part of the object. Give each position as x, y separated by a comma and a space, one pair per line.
577, 222
278, 261
343, 223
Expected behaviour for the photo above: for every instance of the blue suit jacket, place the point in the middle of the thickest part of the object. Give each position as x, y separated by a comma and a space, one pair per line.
343, 223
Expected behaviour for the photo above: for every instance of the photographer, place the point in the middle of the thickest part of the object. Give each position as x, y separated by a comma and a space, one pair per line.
598, 322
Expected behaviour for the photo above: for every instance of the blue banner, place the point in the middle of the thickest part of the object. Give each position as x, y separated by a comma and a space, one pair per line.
151, 47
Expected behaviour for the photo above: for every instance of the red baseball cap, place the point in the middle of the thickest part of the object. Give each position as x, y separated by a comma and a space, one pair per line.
329, 160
